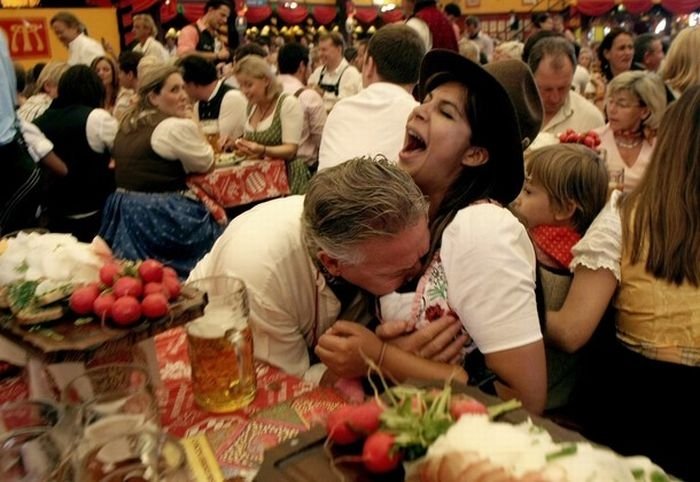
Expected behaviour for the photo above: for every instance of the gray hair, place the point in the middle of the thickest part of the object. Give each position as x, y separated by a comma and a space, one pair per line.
356, 201
556, 47
258, 68
647, 87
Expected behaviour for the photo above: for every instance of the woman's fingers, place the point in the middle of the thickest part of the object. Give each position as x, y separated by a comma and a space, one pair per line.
391, 329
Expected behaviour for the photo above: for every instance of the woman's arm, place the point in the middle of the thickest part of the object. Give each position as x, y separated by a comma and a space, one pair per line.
181, 140
522, 374
589, 296
346, 346
257, 150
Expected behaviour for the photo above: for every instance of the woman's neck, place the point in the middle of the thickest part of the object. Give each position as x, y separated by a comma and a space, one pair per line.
264, 108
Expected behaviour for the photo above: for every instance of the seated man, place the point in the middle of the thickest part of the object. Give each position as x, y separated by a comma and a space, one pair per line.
217, 105
309, 261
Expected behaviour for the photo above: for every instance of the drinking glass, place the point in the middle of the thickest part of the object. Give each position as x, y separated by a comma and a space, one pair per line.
33, 441
104, 380
616, 179
220, 346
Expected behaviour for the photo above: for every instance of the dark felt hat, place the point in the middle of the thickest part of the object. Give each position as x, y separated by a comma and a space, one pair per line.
512, 111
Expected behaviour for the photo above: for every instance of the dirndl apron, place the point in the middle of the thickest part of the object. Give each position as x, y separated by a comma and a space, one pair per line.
297, 171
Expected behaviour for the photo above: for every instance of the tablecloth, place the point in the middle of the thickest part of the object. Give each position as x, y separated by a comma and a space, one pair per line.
241, 183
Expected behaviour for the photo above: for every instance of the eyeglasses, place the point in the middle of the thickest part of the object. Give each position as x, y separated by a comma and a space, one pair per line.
622, 104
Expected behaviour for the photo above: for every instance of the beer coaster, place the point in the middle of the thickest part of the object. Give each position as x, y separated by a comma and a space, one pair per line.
313, 407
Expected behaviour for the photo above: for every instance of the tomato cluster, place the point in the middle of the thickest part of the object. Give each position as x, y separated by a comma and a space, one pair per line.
128, 291
589, 139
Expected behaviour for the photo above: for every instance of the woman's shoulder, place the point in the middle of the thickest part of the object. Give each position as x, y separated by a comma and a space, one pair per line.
485, 224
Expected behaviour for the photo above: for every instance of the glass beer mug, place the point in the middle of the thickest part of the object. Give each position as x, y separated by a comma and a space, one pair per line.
210, 128
220, 346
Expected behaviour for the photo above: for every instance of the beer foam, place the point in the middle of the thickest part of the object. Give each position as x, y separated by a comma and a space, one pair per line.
204, 327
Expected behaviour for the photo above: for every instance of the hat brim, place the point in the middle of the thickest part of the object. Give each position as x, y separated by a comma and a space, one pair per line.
501, 121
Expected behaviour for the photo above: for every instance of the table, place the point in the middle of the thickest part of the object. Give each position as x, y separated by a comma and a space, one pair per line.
224, 446
283, 407
241, 183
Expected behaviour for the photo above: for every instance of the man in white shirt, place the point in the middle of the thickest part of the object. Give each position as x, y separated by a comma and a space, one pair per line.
293, 66
217, 104
81, 48
306, 261
373, 121
473, 30
335, 79
552, 61
145, 31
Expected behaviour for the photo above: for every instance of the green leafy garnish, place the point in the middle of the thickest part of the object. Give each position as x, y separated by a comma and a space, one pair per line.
657, 476
83, 321
23, 267
638, 474
569, 449
21, 294
51, 334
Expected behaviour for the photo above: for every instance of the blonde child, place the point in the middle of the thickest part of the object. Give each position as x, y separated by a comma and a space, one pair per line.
566, 187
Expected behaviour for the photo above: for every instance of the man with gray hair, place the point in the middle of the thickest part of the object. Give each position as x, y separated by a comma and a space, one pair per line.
309, 261
552, 61
373, 121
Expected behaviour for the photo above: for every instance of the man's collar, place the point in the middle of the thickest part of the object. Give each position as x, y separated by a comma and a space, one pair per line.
342, 64
564, 112
216, 89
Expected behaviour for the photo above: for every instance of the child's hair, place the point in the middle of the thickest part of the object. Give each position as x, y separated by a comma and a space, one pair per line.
571, 173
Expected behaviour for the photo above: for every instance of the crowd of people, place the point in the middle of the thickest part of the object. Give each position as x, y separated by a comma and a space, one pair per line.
449, 228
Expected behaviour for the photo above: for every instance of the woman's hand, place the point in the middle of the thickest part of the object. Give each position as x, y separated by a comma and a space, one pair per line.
250, 148
435, 342
345, 346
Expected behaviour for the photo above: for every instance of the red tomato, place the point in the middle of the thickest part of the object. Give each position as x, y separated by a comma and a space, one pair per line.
562, 137
128, 286
379, 454
109, 273
151, 270
152, 288
82, 299
103, 305
464, 404
337, 426
154, 305
126, 311
173, 286
168, 271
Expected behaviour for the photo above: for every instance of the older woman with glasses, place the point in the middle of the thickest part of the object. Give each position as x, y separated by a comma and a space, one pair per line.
634, 104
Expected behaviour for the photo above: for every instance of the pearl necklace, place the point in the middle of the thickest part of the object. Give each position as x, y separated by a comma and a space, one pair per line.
628, 145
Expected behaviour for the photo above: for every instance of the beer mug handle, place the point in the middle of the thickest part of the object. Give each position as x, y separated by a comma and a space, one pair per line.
238, 340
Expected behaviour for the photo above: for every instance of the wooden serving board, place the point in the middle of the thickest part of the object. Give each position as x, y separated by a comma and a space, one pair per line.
304, 458
65, 340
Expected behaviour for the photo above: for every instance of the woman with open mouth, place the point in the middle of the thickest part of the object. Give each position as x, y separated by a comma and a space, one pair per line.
464, 149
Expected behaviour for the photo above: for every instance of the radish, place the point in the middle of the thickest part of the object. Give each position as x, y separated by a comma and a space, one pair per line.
339, 430
364, 419
379, 454
464, 404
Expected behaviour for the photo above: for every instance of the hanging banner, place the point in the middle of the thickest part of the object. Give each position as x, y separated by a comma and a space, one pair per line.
28, 38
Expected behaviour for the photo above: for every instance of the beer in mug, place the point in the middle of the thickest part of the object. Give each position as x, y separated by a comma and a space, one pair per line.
220, 347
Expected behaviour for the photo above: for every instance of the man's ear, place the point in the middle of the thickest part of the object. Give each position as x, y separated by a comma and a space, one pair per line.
330, 263
475, 156
565, 211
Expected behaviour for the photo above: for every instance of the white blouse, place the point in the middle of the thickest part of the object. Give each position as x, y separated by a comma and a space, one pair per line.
180, 140
601, 246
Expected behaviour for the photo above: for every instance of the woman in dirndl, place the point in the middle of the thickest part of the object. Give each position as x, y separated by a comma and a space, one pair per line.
153, 214
274, 120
